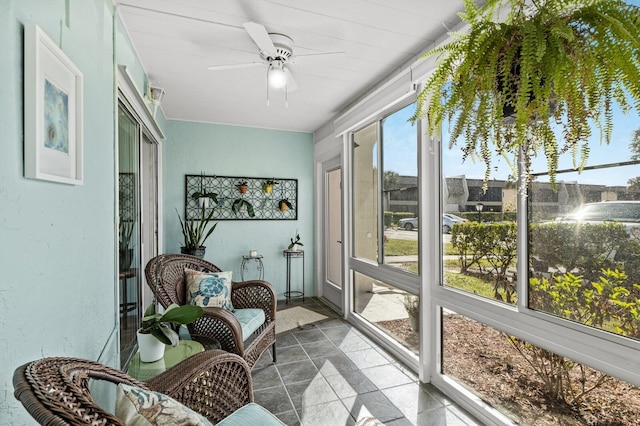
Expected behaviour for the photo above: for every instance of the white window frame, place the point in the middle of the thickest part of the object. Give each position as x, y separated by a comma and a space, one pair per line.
612, 354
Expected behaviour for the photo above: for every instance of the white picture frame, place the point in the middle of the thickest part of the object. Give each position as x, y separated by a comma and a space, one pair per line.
53, 120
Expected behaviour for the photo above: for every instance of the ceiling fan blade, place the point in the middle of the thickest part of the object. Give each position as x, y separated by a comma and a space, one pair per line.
291, 83
260, 37
234, 66
316, 57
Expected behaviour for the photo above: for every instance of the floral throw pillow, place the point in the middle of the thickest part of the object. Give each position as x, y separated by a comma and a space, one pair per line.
209, 289
139, 407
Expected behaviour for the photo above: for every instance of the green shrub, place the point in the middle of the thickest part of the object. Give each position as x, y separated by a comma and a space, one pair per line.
493, 242
606, 303
586, 247
388, 218
600, 294
487, 216
402, 215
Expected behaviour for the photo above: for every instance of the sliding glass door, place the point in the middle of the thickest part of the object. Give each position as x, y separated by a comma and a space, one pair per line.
138, 223
129, 232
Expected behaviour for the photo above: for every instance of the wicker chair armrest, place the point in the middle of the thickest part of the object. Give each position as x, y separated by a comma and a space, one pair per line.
214, 383
255, 294
219, 324
55, 390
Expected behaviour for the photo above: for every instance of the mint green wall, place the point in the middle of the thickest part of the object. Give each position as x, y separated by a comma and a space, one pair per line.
57, 242
192, 148
125, 54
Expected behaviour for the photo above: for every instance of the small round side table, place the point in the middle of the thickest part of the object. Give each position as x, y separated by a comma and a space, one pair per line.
291, 294
144, 371
246, 259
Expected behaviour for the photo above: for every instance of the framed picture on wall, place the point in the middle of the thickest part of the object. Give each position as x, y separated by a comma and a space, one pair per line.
52, 111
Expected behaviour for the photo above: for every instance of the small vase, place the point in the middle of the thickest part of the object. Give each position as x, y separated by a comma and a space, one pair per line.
151, 349
414, 321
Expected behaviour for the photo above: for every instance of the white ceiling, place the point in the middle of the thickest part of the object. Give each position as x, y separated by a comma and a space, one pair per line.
177, 40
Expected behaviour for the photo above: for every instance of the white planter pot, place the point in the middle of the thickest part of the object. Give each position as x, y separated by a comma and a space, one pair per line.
151, 349
203, 202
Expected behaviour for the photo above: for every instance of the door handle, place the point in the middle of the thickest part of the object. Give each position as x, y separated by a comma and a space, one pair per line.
339, 242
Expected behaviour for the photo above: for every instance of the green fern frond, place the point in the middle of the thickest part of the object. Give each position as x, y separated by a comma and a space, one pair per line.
581, 56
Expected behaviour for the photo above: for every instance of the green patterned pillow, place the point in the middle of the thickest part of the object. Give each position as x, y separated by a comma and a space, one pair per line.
209, 289
139, 407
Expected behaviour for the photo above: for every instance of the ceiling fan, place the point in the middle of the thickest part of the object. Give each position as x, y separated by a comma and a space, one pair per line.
276, 51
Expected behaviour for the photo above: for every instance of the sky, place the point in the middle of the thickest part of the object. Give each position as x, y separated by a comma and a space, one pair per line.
400, 155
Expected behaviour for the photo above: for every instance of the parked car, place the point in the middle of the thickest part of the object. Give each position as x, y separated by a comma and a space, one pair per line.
626, 212
448, 220
409, 224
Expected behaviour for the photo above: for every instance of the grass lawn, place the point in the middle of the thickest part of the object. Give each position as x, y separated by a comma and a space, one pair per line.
469, 284
395, 247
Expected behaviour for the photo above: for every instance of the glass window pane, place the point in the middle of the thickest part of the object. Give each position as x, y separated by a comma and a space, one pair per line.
400, 189
394, 311
479, 226
584, 250
531, 385
365, 193
584, 244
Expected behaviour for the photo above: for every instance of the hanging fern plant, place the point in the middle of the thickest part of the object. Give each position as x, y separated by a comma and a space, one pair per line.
549, 62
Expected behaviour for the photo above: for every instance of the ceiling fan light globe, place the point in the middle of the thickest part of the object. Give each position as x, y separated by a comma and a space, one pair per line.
277, 78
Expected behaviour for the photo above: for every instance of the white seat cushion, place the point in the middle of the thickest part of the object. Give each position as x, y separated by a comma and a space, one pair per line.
251, 414
250, 320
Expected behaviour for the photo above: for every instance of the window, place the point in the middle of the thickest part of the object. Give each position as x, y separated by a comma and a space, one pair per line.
479, 251
585, 256
385, 196
563, 263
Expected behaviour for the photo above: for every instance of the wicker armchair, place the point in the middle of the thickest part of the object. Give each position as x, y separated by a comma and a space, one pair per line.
165, 276
55, 391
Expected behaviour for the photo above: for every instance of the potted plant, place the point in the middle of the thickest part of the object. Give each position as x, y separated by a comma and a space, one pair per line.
284, 205
240, 204
204, 197
269, 184
412, 305
242, 186
155, 330
195, 232
295, 242
548, 62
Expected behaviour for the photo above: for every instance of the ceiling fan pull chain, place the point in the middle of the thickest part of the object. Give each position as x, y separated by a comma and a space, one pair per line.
286, 97
268, 68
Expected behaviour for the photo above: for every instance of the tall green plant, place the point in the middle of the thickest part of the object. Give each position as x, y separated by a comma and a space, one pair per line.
555, 62
125, 233
195, 232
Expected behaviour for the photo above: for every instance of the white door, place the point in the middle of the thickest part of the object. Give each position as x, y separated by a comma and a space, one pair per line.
332, 212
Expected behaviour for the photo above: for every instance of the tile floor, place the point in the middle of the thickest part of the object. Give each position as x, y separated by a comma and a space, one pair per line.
328, 373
